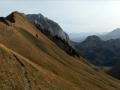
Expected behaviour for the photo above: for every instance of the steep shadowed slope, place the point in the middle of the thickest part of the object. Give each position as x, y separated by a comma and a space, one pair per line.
115, 71
31, 61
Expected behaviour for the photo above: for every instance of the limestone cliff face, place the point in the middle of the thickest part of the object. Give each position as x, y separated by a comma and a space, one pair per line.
52, 30
48, 25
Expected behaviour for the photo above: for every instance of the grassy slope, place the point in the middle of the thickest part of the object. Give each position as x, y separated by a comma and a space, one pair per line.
57, 69
19, 73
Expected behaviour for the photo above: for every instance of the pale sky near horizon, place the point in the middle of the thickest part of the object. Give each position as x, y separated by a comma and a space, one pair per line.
72, 15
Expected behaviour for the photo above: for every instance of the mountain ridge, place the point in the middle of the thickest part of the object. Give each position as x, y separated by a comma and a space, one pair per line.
57, 69
115, 34
52, 30
96, 49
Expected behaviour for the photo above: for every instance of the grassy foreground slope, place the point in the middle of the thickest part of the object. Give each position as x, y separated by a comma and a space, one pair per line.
30, 61
19, 73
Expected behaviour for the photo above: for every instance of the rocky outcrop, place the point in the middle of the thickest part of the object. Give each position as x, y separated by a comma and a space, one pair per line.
52, 30
48, 25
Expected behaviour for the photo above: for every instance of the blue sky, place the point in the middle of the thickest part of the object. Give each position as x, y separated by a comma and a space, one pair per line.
73, 15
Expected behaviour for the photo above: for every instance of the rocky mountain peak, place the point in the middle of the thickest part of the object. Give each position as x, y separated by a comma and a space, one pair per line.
93, 38
116, 30
12, 16
48, 25
53, 30
115, 34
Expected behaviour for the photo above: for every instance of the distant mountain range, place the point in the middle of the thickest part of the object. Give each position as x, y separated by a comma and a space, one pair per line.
115, 34
79, 37
99, 52
102, 51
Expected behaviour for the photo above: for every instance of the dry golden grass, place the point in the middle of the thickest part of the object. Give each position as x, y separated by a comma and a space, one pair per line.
28, 62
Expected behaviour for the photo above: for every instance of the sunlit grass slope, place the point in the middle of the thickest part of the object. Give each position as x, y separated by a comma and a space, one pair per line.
30, 61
